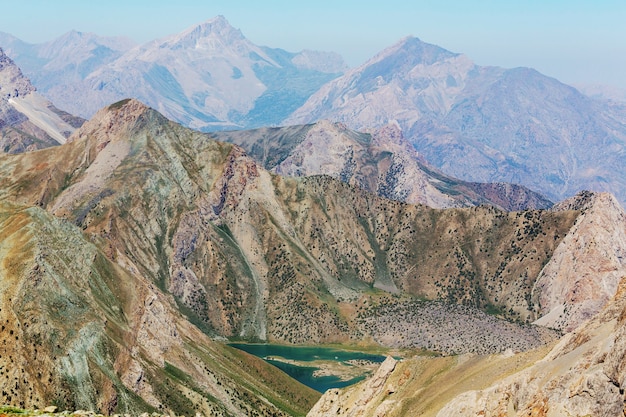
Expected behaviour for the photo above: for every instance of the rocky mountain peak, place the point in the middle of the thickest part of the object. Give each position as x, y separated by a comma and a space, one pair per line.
582, 201
588, 265
207, 33
112, 120
407, 53
80, 44
12, 82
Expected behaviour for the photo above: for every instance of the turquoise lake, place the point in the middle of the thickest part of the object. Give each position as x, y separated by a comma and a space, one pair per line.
304, 374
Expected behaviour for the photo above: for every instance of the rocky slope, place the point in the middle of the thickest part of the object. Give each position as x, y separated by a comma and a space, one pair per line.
583, 374
83, 329
171, 228
380, 161
482, 124
82, 332
209, 76
206, 206
27, 120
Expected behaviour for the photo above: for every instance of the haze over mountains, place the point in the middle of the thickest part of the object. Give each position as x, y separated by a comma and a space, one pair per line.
132, 248
207, 77
480, 124
483, 124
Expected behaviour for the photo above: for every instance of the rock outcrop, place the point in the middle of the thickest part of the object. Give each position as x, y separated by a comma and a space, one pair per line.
585, 270
27, 120
333, 404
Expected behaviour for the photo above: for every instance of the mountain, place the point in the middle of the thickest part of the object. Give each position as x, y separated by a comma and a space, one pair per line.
483, 124
83, 329
82, 332
27, 120
207, 77
132, 249
380, 161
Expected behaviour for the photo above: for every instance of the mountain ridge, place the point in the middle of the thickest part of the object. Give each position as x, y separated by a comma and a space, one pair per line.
484, 124
183, 240
380, 161
208, 76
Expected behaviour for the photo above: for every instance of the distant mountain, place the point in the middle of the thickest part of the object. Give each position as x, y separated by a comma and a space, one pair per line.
56, 65
482, 124
380, 161
603, 92
27, 120
207, 77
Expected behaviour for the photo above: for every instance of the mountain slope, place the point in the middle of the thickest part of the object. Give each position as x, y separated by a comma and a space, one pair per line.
380, 161
93, 333
206, 206
173, 228
27, 120
482, 124
84, 333
584, 374
209, 76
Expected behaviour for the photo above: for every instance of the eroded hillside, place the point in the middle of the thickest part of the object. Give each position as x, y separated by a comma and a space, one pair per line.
157, 213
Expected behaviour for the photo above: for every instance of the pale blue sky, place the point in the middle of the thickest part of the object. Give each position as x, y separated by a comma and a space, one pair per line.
575, 41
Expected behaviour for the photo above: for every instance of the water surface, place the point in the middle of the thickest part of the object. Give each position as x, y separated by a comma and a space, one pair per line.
304, 374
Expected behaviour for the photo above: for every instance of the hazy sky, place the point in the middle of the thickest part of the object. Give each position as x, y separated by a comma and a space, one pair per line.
575, 41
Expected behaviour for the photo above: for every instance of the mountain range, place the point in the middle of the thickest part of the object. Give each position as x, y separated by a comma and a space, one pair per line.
479, 124
484, 124
132, 246
207, 77
381, 161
